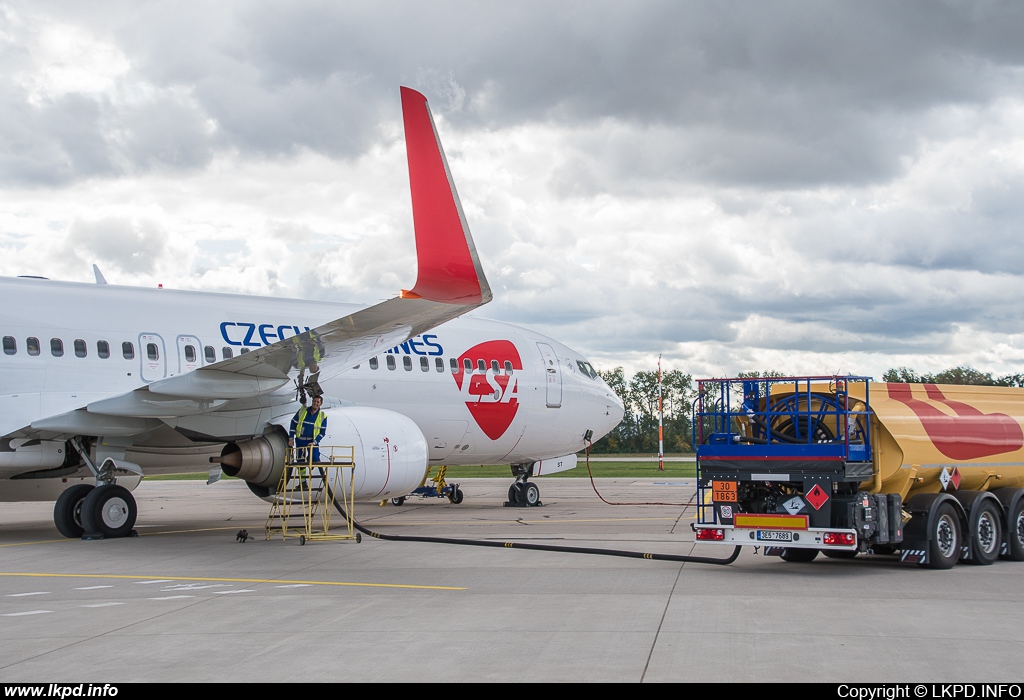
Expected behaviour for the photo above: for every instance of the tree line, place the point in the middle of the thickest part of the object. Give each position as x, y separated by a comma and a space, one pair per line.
638, 431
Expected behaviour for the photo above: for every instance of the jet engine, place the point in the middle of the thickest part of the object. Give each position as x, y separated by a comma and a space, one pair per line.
389, 449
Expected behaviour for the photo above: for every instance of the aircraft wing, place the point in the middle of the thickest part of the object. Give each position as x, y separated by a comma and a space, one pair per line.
450, 282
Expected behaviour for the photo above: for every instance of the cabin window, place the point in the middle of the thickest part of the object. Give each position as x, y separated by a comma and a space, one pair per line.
439, 364
508, 367
10, 345
226, 353
103, 349
494, 366
468, 364
128, 351
243, 351
190, 354
481, 365
391, 362
56, 347
152, 352
80, 349
407, 363
424, 364
32, 345
455, 365
211, 354
374, 363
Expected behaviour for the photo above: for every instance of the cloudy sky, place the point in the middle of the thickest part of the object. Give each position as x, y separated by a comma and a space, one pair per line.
808, 187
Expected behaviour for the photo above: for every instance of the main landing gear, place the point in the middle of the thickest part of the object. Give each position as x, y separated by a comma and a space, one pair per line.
97, 512
523, 493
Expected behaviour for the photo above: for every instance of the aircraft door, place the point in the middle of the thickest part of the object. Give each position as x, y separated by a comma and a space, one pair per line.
152, 356
552, 375
189, 353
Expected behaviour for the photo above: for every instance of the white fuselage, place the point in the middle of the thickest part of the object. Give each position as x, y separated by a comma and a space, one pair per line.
480, 391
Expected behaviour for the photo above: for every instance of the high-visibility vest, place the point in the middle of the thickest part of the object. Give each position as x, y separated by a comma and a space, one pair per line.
317, 423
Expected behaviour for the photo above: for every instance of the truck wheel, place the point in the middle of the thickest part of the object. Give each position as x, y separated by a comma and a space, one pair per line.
799, 555
986, 535
1015, 535
839, 553
944, 546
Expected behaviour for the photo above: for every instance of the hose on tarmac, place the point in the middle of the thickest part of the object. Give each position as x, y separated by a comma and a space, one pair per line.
535, 547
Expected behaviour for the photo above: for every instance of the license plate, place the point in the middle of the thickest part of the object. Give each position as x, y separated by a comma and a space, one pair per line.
774, 536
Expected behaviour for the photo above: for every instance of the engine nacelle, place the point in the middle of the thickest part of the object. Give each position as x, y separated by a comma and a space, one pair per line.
391, 455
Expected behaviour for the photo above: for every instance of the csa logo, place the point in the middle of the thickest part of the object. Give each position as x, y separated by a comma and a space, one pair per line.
491, 397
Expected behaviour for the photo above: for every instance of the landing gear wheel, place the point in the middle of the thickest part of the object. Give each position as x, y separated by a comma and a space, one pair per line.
986, 535
398, 500
530, 494
944, 546
799, 555
456, 495
1015, 536
109, 510
67, 511
513, 494
839, 553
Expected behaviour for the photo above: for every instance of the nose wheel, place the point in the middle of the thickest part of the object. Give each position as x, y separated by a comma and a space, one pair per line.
524, 494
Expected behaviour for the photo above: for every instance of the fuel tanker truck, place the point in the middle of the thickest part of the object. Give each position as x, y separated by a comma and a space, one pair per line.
842, 465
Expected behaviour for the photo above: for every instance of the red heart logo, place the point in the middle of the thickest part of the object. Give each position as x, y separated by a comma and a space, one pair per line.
967, 435
491, 394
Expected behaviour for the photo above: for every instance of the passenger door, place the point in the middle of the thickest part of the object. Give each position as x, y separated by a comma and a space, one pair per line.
552, 375
189, 353
152, 357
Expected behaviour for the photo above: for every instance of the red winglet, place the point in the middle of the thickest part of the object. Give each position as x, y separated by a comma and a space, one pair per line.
449, 269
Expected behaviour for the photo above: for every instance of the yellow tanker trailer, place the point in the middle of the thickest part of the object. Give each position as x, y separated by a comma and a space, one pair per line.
843, 465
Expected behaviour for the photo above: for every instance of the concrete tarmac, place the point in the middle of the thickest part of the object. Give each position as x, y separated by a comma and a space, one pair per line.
185, 601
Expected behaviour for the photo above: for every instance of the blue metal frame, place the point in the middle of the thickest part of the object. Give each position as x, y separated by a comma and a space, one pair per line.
738, 419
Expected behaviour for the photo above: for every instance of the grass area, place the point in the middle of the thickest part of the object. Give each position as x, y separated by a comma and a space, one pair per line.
626, 469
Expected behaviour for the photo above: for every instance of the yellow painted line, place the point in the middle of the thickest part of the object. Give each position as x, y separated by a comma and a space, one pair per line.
392, 524
22, 544
231, 580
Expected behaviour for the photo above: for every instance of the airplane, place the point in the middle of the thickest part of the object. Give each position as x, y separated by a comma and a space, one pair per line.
101, 384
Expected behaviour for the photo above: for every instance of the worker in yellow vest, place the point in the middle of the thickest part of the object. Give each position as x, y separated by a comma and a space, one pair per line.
308, 428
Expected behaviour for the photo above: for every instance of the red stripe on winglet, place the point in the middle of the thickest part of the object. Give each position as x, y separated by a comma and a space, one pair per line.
447, 270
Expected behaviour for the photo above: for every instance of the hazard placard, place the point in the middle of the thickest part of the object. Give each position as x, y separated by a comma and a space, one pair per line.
954, 478
944, 477
723, 491
816, 497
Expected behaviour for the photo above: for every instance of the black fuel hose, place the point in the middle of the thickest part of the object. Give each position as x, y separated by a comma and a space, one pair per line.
535, 547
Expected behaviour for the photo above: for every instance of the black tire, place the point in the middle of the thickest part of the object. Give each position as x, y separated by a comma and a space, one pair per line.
839, 553
514, 494
67, 511
398, 500
944, 546
456, 495
1015, 533
109, 510
799, 555
302, 540
986, 532
359, 538
531, 494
